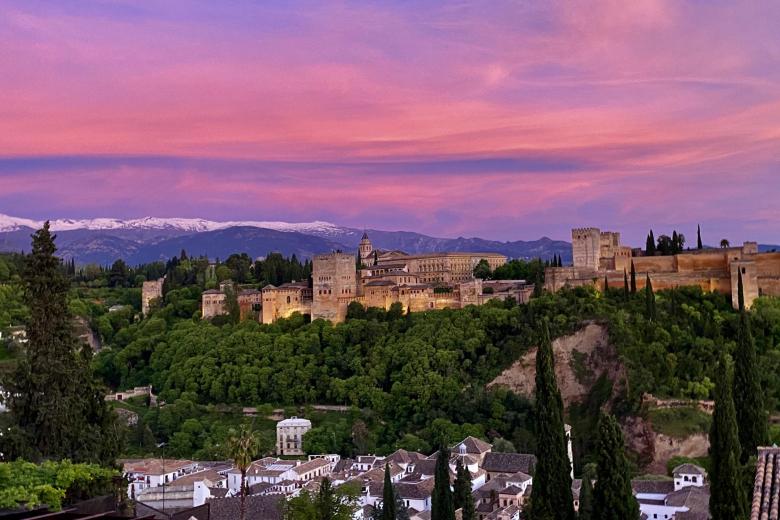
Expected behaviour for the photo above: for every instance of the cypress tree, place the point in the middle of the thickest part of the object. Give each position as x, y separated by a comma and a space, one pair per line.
586, 498
606, 284
728, 500
441, 499
613, 498
649, 299
699, 245
56, 407
551, 497
625, 285
388, 497
748, 397
633, 278
675, 242
462, 497
650, 244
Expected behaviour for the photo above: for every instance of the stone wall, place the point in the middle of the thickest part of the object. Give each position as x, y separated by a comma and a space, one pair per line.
149, 291
586, 247
335, 282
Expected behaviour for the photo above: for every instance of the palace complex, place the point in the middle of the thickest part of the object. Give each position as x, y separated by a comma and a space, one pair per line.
599, 258
375, 278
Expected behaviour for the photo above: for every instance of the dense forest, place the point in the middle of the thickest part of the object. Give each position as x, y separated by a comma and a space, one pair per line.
411, 380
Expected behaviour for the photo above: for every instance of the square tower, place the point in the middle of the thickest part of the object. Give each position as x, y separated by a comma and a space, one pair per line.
334, 285
586, 247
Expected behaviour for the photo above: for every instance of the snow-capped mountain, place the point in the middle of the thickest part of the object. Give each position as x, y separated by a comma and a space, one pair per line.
103, 240
189, 225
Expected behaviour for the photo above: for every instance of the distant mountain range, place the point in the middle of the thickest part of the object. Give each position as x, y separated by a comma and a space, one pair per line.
101, 241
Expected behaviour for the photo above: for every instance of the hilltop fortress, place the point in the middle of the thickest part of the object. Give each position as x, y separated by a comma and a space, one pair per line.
598, 256
378, 279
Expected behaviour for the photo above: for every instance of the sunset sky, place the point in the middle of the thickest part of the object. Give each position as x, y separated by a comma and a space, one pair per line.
506, 120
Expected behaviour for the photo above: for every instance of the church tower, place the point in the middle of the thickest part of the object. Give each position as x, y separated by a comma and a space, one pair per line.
366, 250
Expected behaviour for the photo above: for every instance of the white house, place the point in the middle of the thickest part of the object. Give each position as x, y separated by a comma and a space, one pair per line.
149, 473
289, 435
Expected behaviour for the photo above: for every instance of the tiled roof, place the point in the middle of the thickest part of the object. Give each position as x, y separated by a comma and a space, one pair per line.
415, 490
509, 462
766, 487
652, 487
404, 457
155, 466
258, 507
310, 466
473, 445
695, 498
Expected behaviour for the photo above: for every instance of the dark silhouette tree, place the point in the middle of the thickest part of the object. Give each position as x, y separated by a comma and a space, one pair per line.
56, 407
650, 313
613, 498
748, 396
462, 497
699, 245
551, 496
633, 278
442, 507
585, 511
650, 244
727, 493
388, 497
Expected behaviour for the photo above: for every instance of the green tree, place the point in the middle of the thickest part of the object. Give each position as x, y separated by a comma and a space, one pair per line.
699, 245
585, 511
650, 244
725, 244
633, 278
748, 395
551, 497
242, 448
625, 285
56, 407
613, 498
650, 312
388, 497
327, 504
482, 270
462, 497
501, 445
118, 275
442, 507
727, 494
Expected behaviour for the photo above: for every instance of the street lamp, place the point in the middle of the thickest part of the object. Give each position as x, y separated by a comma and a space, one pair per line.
162, 449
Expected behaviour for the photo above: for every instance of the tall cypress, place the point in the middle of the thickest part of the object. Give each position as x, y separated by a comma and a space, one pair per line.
441, 500
585, 511
606, 284
650, 244
625, 285
728, 500
699, 245
56, 408
649, 299
551, 497
388, 497
462, 497
748, 396
633, 278
613, 498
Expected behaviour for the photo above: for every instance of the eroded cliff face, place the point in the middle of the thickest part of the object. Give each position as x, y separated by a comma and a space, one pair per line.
580, 359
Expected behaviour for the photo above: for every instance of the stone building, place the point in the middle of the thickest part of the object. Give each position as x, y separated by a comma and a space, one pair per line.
289, 435
334, 278
283, 301
150, 290
710, 269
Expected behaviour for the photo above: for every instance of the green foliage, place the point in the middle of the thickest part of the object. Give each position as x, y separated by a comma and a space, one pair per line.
56, 407
530, 270
329, 503
613, 498
728, 499
752, 417
482, 270
388, 497
679, 422
442, 505
52, 484
462, 497
551, 496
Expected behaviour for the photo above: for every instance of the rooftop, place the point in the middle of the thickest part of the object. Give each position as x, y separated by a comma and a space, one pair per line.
766, 487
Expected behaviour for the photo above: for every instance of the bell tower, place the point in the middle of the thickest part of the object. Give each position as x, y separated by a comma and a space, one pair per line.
366, 250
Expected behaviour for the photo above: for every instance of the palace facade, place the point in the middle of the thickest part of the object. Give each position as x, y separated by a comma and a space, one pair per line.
599, 257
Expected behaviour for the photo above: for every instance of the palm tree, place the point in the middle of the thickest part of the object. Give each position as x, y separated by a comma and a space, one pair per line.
724, 243
241, 449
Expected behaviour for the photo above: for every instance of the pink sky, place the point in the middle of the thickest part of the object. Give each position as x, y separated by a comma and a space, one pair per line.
500, 119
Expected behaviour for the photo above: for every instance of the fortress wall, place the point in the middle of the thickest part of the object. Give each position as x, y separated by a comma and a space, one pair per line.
769, 286
767, 264
709, 261
654, 264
